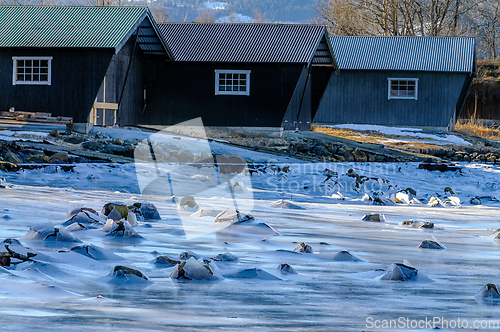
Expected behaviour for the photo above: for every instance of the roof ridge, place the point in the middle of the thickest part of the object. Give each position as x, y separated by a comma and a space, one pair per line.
248, 23
400, 37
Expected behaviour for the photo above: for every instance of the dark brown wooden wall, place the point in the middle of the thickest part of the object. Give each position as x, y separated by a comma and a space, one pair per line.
187, 90
76, 77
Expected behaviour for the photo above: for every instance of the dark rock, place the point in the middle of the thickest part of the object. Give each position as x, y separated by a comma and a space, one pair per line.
12, 157
74, 139
115, 211
55, 133
92, 145
113, 149
304, 248
345, 256
81, 160
399, 272
128, 151
286, 269
225, 257
230, 164
321, 151
57, 162
429, 244
145, 211
374, 217
360, 156
31, 152
165, 260
121, 270
38, 158
119, 141
348, 156
62, 156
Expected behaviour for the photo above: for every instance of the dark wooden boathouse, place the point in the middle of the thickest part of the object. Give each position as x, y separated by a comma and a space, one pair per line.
255, 75
89, 63
402, 81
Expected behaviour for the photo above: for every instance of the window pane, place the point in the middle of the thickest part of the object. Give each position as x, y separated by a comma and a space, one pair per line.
44, 63
222, 82
36, 63
222, 76
243, 82
229, 76
222, 88
27, 70
243, 88
20, 70
44, 70
235, 82
20, 77
36, 70
36, 78
27, 63
20, 63
44, 78
243, 76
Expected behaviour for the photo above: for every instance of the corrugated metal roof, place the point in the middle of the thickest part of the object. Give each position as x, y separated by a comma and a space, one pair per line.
444, 54
62, 26
251, 42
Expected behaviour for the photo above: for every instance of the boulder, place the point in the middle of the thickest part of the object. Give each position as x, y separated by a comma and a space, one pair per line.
345, 256
321, 151
286, 269
430, 244
359, 156
399, 272
193, 270
167, 261
47, 232
121, 228
92, 145
63, 156
225, 257
188, 204
126, 275
12, 157
489, 293
74, 139
304, 248
145, 211
113, 149
232, 216
374, 217
38, 158
284, 204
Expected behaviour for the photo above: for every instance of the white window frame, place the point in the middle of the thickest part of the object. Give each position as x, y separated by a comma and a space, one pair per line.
14, 70
230, 71
389, 83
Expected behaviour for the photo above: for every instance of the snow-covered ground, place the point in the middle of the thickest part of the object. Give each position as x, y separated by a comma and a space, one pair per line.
64, 290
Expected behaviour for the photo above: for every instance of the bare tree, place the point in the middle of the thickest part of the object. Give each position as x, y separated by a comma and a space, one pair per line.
160, 14
488, 27
342, 17
206, 16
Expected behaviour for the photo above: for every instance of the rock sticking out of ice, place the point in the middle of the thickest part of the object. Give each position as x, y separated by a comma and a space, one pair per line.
251, 273
284, 204
232, 216
304, 248
119, 228
125, 275
488, 294
193, 270
188, 204
145, 211
225, 257
399, 272
374, 217
96, 253
47, 232
345, 256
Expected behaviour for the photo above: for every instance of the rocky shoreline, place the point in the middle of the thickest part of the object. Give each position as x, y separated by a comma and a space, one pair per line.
73, 148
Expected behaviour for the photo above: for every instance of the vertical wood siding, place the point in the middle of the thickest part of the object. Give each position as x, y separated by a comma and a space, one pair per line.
76, 77
187, 90
361, 97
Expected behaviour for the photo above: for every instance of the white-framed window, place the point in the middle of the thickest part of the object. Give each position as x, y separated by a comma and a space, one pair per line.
32, 70
402, 88
232, 82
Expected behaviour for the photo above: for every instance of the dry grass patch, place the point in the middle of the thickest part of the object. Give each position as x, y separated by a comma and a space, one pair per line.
371, 136
475, 127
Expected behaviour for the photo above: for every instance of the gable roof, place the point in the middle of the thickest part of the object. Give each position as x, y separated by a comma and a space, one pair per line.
79, 27
244, 42
441, 54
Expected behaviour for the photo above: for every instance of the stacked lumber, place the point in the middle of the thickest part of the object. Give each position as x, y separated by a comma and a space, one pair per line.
34, 118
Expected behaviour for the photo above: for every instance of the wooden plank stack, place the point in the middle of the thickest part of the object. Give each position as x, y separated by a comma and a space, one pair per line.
34, 118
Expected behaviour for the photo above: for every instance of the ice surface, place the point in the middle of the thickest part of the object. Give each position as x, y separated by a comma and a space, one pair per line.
63, 290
